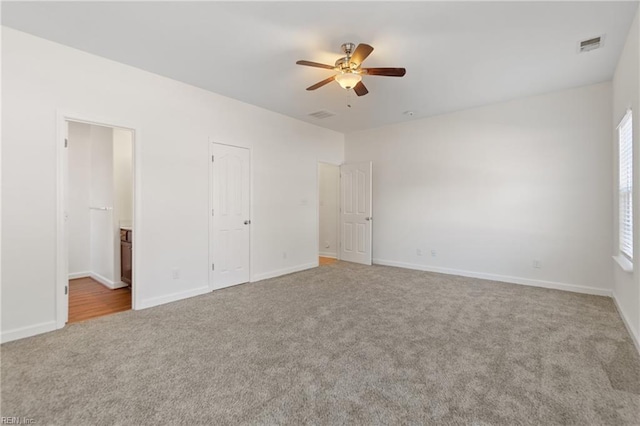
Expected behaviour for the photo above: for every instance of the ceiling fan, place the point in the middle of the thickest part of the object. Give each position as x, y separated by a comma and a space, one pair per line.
350, 69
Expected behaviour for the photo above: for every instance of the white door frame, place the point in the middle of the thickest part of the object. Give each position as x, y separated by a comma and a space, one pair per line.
62, 249
210, 168
338, 239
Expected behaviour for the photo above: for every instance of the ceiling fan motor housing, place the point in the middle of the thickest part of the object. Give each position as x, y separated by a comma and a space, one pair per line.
345, 65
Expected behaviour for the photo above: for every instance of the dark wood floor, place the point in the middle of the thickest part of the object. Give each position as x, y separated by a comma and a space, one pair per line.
90, 299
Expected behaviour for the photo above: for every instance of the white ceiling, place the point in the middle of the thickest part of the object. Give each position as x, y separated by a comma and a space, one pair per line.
457, 54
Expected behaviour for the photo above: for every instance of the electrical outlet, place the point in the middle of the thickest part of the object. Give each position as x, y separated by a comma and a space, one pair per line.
434, 253
537, 264
419, 252
175, 273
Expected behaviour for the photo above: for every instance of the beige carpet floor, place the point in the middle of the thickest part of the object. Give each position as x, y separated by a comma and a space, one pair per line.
340, 344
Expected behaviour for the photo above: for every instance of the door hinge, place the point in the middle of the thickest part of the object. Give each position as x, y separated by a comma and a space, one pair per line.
213, 267
211, 212
212, 158
66, 289
66, 142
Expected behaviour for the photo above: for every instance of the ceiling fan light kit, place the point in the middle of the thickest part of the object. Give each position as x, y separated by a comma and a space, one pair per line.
350, 69
348, 80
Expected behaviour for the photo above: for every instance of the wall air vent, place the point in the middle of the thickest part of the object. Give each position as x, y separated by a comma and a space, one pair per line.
590, 44
322, 114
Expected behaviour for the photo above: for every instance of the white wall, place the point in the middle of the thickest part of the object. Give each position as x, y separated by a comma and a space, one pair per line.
492, 189
626, 94
123, 176
79, 181
329, 194
102, 195
175, 122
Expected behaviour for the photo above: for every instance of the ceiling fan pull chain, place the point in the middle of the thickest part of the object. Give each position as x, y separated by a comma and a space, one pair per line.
349, 98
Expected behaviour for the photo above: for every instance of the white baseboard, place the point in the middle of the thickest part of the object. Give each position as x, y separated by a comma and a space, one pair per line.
99, 278
31, 330
107, 282
627, 323
120, 284
285, 271
76, 275
327, 254
503, 278
161, 300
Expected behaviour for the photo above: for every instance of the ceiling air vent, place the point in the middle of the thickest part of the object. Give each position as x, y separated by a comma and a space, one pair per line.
322, 114
591, 44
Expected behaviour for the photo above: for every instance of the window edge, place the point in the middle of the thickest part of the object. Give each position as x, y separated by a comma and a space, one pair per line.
625, 264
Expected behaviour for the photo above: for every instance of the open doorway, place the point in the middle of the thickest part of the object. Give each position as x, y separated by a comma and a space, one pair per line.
345, 213
99, 219
329, 213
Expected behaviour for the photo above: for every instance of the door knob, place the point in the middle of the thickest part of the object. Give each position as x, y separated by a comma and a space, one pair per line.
247, 222
368, 218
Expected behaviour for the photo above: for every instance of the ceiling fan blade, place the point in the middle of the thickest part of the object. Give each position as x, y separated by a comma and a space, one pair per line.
322, 83
387, 72
360, 89
361, 53
315, 64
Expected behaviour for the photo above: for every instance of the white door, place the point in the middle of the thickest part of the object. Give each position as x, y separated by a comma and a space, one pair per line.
230, 198
355, 216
